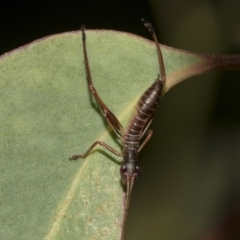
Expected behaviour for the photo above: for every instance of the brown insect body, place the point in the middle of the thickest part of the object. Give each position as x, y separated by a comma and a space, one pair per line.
137, 127
144, 109
141, 118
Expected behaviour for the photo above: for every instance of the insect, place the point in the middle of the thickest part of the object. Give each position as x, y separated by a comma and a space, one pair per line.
137, 128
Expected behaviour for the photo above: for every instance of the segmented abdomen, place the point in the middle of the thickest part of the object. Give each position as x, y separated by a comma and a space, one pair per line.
143, 113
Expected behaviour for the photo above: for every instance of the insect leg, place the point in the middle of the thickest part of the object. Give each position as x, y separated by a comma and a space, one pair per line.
75, 157
109, 116
149, 134
160, 58
147, 126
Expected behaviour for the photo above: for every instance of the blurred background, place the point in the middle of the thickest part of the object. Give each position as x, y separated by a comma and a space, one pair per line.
189, 186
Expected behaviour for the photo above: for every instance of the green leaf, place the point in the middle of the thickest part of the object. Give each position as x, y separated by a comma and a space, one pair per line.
47, 115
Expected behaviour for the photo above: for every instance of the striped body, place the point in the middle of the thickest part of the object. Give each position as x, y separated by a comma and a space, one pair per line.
141, 117
136, 129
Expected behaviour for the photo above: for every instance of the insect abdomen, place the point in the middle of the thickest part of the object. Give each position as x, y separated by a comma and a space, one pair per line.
145, 109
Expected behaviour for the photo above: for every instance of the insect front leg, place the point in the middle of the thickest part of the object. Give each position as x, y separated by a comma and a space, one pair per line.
75, 157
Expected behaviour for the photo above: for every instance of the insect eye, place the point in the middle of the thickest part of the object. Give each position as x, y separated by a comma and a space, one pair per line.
123, 169
138, 169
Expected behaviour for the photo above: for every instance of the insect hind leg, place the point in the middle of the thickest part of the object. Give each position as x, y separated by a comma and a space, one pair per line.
160, 58
108, 115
